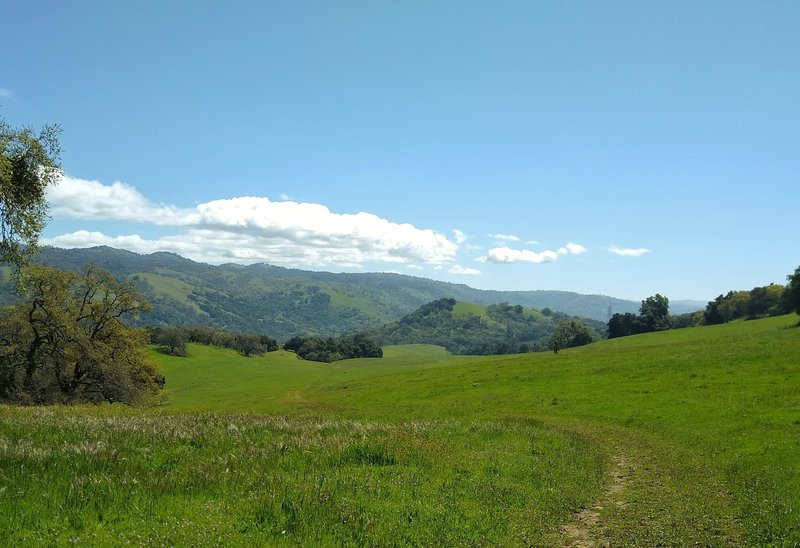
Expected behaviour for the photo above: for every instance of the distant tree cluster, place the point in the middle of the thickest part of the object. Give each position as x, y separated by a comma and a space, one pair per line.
768, 300
173, 340
506, 329
571, 333
66, 341
653, 316
329, 350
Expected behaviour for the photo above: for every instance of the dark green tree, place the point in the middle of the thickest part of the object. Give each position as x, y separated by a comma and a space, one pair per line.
66, 342
171, 339
570, 333
654, 313
28, 164
622, 325
791, 296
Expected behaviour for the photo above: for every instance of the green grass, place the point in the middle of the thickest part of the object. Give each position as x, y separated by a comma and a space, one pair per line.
462, 310
420, 447
170, 287
345, 300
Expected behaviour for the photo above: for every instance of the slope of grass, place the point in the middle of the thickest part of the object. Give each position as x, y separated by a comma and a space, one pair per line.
462, 310
690, 436
170, 287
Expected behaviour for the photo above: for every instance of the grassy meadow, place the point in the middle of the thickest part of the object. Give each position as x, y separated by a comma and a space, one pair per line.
681, 437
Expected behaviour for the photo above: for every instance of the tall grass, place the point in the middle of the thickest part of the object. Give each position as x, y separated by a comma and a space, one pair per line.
106, 476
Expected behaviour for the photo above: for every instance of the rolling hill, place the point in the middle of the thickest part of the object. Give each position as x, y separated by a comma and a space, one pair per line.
285, 302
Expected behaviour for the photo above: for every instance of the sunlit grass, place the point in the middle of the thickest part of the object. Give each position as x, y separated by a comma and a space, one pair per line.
425, 448
110, 476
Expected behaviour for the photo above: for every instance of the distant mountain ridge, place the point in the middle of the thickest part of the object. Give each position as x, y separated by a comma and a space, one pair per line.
284, 302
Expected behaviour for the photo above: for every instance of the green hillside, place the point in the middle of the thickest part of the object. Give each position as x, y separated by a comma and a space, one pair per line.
673, 438
468, 328
285, 302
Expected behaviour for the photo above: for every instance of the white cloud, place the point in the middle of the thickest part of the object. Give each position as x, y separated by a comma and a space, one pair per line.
505, 237
571, 249
6, 93
92, 200
246, 229
533, 242
459, 236
507, 255
628, 252
414, 267
463, 271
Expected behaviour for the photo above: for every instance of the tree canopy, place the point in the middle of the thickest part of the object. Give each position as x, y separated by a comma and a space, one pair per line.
792, 295
28, 164
66, 342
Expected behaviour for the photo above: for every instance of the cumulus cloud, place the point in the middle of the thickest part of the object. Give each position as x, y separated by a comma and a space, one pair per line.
92, 200
628, 252
507, 255
571, 249
459, 236
463, 271
414, 267
246, 229
505, 237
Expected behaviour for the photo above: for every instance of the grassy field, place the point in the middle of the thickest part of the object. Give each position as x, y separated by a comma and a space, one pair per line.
675, 438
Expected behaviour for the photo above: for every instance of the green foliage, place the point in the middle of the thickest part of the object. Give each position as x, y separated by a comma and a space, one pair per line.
654, 313
653, 316
690, 319
66, 342
501, 329
571, 333
791, 299
170, 339
173, 340
769, 300
318, 349
28, 164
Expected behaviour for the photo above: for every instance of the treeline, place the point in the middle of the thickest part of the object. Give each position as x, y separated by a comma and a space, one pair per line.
653, 316
173, 340
319, 349
768, 300
759, 302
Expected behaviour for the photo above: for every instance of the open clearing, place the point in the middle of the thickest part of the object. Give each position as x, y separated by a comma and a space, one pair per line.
681, 437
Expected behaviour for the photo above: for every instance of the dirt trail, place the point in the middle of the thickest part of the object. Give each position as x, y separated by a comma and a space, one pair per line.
578, 531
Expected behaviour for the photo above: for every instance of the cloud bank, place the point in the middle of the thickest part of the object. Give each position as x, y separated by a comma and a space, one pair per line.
245, 229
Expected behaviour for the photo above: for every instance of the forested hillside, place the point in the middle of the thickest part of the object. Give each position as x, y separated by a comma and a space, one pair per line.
285, 302
465, 328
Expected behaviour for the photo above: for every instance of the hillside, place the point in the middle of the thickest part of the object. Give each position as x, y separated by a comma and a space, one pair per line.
285, 302
468, 328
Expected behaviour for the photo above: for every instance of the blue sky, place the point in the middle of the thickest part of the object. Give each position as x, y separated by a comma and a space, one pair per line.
621, 148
